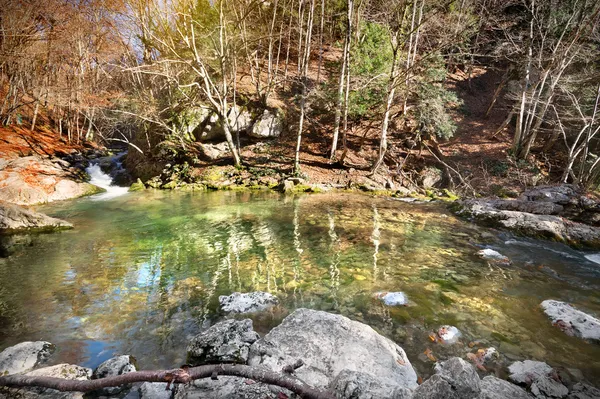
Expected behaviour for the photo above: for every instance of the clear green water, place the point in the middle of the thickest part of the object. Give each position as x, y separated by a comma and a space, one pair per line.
141, 274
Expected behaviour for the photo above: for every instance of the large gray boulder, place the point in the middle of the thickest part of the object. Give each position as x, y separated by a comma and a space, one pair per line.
211, 128
67, 371
435, 387
548, 387
584, 391
14, 218
572, 321
226, 342
268, 125
250, 302
528, 371
360, 385
228, 387
155, 390
461, 376
495, 388
25, 356
212, 152
113, 367
329, 344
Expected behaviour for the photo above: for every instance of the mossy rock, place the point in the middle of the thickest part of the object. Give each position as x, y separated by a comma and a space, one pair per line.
137, 186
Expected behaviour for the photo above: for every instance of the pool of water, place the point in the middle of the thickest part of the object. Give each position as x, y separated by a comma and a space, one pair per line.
141, 274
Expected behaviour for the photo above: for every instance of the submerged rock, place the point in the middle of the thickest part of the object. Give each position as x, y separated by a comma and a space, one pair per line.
113, 367
247, 303
495, 256
329, 344
449, 334
392, 298
25, 356
226, 342
14, 218
572, 321
495, 388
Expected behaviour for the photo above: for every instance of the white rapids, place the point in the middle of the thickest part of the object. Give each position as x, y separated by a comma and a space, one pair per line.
101, 179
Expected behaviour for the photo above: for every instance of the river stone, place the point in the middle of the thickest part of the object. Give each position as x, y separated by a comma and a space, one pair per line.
67, 371
226, 342
583, 325
461, 376
546, 387
24, 356
269, 125
528, 371
248, 302
449, 334
351, 384
14, 218
113, 367
584, 391
329, 343
435, 387
495, 388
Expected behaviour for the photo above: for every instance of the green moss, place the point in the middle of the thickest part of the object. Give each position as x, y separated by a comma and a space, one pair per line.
137, 186
172, 185
446, 285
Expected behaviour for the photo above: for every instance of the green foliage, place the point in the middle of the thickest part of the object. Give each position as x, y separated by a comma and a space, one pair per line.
370, 60
433, 100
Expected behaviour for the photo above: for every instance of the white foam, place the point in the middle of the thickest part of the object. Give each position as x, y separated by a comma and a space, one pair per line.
101, 179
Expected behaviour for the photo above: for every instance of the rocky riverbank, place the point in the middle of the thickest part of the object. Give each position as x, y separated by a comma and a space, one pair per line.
561, 213
344, 357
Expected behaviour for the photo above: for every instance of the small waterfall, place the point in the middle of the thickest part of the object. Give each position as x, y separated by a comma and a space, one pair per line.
101, 179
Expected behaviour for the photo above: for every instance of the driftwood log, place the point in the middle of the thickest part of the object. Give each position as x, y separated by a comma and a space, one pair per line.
183, 375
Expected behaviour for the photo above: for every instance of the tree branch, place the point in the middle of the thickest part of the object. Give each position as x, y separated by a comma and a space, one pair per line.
179, 376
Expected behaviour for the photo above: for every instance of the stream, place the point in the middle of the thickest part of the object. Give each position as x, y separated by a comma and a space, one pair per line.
141, 274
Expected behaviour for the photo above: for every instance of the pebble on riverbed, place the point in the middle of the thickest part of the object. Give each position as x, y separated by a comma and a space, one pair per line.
392, 298
448, 334
492, 255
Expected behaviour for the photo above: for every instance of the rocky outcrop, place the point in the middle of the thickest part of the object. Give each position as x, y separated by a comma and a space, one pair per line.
228, 387
24, 356
247, 303
351, 384
208, 127
14, 219
453, 379
572, 321
226, 342
212, 152
530, 224
268, 125
35, 180
113, 367
329, 344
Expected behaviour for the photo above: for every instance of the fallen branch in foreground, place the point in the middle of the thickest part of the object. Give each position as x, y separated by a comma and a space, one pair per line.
183, 375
